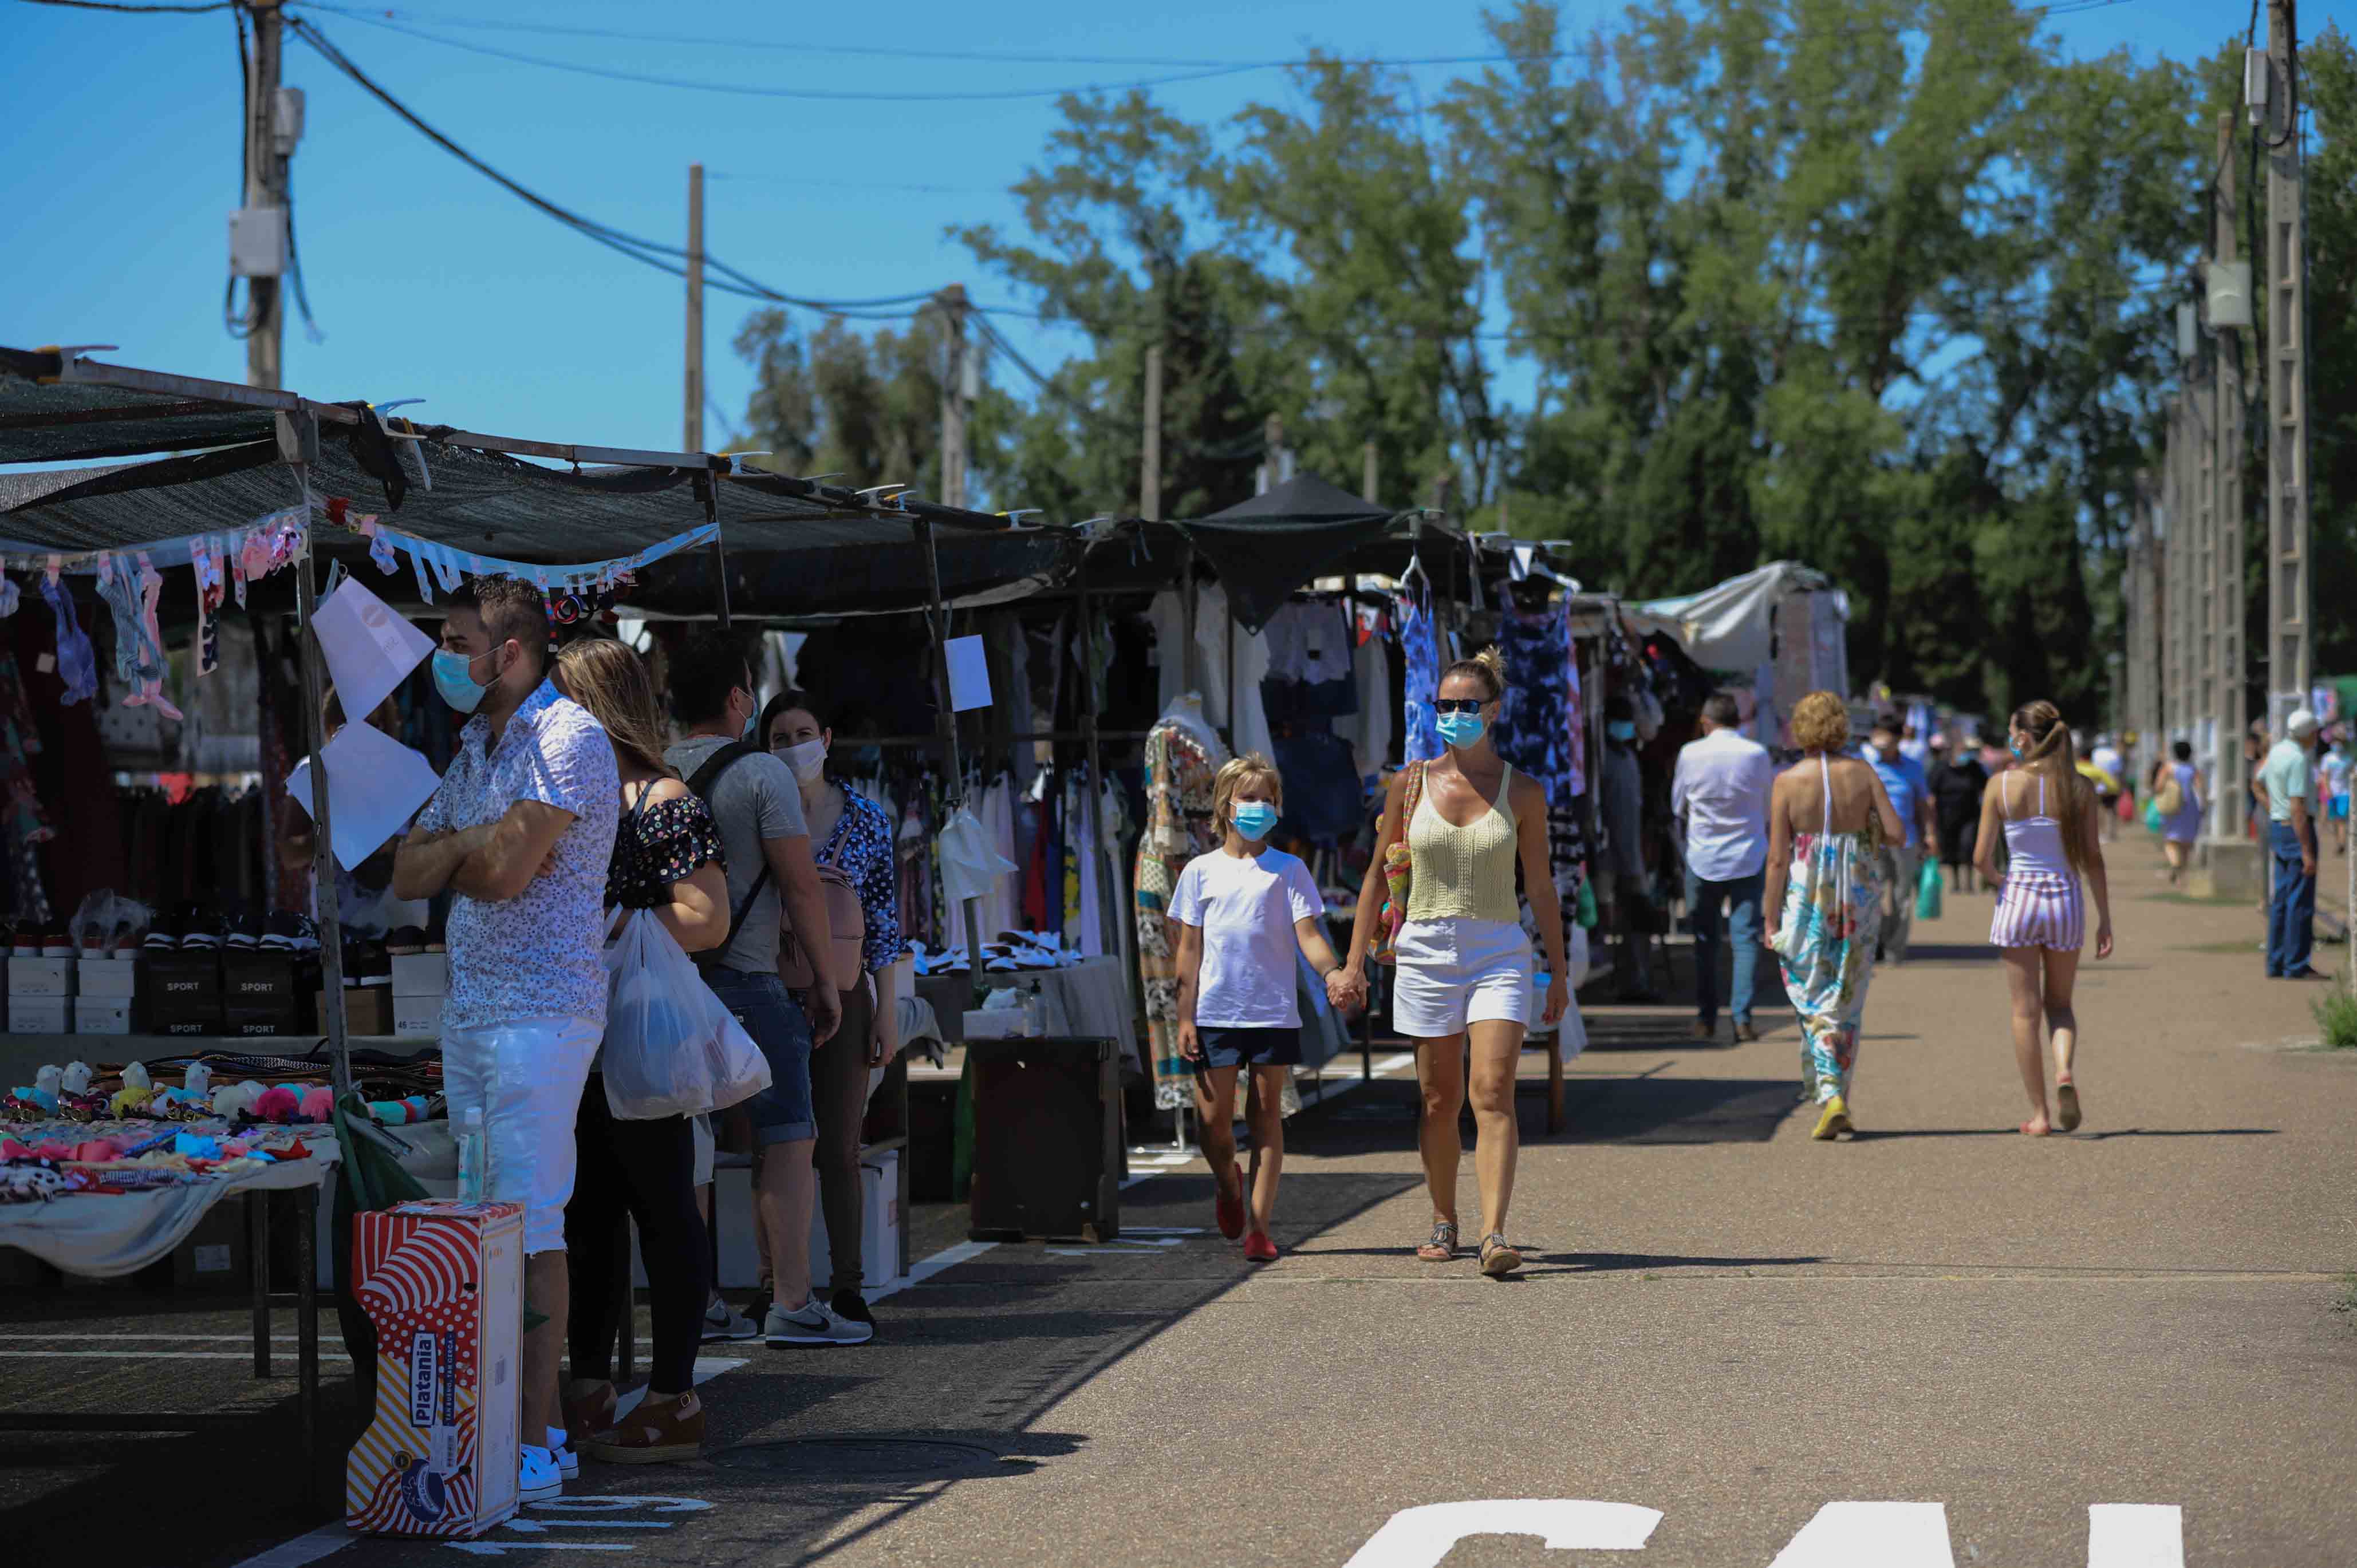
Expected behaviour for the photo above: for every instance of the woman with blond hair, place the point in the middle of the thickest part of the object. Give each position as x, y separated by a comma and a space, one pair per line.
1242, 910
1463, 976
667, 858
2052, 836
1826, 827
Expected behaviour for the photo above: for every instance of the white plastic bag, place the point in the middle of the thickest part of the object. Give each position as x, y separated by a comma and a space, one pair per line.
1576, 960
671, 1048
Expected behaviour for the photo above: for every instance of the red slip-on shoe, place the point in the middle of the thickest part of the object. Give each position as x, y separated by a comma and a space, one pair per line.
1231, 1211
1259, 1248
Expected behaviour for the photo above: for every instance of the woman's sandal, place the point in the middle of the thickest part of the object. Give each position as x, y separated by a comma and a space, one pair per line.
1499, 1257
1442, 1247
2066, 1102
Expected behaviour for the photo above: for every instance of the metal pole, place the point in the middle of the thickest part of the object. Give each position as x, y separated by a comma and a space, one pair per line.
939, 618
692, 426
1367, 471
953, 454
265, 187
1149, 463
2287, 502
323, 855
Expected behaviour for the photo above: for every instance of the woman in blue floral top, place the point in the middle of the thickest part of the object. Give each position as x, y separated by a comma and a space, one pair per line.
852, 836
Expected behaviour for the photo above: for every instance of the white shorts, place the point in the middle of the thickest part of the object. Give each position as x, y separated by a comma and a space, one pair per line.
1458, 972
527, 1077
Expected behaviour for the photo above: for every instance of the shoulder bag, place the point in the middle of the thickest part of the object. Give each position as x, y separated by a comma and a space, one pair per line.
1397, 869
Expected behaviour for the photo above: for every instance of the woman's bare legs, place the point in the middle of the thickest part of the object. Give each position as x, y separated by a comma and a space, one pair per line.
2022, 983
2174, 852
1440, 1069
1497, 1053
2062, 1022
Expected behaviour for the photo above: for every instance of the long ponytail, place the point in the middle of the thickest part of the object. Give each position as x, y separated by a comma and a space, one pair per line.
2051, 755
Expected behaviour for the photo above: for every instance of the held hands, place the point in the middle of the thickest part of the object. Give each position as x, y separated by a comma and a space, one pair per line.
1558, 1001
1190, 1043
1346, 989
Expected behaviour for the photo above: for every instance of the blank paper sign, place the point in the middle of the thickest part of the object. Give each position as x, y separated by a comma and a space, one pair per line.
375, 785
368, 649
969, 674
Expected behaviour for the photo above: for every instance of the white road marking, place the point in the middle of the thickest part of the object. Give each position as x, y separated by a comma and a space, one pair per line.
1871, 1535
535, 1526
1422, 1537
501, 1548
947, 1258
2135, 1535
303, 1549
595, 1504
1164, 1229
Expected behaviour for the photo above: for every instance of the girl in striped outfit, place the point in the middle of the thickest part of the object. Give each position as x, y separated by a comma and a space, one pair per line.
2052, 837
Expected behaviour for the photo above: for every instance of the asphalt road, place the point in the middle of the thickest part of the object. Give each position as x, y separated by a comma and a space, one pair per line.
1723, 1322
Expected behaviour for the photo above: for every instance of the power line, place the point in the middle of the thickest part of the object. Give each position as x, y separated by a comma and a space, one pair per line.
190, 10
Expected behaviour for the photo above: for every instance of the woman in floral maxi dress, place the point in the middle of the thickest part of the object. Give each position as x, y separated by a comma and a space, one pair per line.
1824, 898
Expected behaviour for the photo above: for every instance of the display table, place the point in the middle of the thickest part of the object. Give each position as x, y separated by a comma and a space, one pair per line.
1090, 999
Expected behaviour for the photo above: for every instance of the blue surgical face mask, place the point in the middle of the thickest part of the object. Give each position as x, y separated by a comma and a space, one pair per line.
1621, 729
1460, 729
1253, 819
454, 678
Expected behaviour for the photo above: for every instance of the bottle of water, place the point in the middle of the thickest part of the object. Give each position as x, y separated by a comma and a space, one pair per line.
471, 1174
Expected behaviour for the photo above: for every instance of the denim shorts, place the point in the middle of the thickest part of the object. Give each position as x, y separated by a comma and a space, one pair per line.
781, 1113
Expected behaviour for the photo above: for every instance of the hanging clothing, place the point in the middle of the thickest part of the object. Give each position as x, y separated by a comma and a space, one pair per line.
1182, 758
1539, 730
1370, 730
1420, 659
1220, 646
1833, 912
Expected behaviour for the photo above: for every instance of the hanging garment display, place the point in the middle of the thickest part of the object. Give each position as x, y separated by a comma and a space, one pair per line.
1225, 655
1420, 658
77, 661
1537, 722
1182, 759
1370, 730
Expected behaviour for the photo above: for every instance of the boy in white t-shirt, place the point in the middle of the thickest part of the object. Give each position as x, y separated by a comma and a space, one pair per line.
1241, 911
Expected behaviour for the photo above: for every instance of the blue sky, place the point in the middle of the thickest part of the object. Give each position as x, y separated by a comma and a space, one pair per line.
427, 281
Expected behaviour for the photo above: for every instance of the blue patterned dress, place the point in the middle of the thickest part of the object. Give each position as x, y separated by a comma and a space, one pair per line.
1833, 912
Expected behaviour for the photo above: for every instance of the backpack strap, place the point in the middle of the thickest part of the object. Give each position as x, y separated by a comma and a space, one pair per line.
702, 784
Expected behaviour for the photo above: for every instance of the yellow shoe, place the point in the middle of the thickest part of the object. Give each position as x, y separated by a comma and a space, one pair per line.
1834, 1122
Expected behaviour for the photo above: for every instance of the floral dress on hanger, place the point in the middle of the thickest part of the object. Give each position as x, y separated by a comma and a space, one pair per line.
1180, 767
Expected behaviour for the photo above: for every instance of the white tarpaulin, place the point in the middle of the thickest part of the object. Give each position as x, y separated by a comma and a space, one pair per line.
1730, 626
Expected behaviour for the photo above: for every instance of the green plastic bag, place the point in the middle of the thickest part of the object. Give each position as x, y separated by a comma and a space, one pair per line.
2152, 815
1927, 892
1586, 912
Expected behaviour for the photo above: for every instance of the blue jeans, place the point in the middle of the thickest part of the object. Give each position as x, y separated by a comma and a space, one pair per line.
782, 1113
1713, 926
2291, 909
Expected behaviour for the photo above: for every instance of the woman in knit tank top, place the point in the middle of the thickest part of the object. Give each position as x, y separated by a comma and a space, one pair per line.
1463, 977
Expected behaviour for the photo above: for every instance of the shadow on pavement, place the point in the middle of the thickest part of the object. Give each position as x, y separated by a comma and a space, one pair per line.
1863, 1136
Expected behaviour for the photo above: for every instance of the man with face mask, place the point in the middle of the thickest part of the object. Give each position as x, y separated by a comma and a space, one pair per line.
520, 832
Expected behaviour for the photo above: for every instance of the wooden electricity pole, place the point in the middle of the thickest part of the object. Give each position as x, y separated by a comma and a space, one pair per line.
1149, 462
953, 308
2287, 371
692, 426
266, 187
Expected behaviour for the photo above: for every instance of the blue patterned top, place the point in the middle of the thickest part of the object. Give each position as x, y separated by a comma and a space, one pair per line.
861, 848
536, 955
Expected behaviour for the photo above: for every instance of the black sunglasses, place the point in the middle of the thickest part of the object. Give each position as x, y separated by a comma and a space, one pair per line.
1460, 704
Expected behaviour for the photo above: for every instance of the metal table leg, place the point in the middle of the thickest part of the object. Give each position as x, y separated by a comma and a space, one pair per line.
307, 1340
257, 1242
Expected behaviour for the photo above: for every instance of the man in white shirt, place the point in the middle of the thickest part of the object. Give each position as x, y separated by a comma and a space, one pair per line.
1719, 797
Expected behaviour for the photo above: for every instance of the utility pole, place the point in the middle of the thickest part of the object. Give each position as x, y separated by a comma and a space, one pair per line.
2172, 540
693, 425
1149, 463
2287, 369
1368, 472
270, 129
1272, 467
2232, 869
954, 399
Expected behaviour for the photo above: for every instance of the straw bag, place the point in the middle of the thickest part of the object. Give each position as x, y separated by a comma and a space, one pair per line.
2171, 798
1397, 863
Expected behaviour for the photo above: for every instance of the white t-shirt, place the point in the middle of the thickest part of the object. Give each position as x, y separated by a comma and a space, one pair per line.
1246, 907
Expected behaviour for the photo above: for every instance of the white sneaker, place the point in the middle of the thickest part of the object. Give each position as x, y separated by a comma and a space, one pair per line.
814, 1323
568, 1463
537, 1476
722, 1321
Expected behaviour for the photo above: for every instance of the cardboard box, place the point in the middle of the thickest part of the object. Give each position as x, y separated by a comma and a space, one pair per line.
368, 1009
879, 1239
40, 977
417, 1017
106, 977
442, 1284
101, 1016
421, 974
218, 1254
180, 993
40, 1015
257, 981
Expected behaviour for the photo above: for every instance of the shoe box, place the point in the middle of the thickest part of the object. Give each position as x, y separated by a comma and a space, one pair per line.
40, 996
180, 990
259, 991
368, 1009
420, 982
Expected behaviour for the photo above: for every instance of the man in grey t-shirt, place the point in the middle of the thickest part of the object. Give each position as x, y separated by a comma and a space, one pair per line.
759, 810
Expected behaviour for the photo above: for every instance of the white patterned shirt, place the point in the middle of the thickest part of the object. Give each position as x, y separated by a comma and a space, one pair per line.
536, 955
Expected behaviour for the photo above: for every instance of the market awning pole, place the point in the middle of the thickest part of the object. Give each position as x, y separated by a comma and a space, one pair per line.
1092, 807
301, 442
939, 615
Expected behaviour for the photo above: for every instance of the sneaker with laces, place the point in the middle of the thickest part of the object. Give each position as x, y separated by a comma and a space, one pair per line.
813, 1322
722, 1321
537, 1476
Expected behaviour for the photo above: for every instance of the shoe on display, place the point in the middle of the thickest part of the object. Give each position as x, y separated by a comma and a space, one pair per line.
813, 1322
722, 1321
57, 944
406, 941
245, 933
537, 1476
163, 934
286, 931
852, 1307
656, 1431
202, 930
435, 940
375, 963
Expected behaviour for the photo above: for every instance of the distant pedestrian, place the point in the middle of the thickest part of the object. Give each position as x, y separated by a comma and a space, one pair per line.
2045, 811
1243, 912
2177, 795
1903, 855
2286, 788
1826, 825
1956, 779
2333, 768
1720, 799
2111, 783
